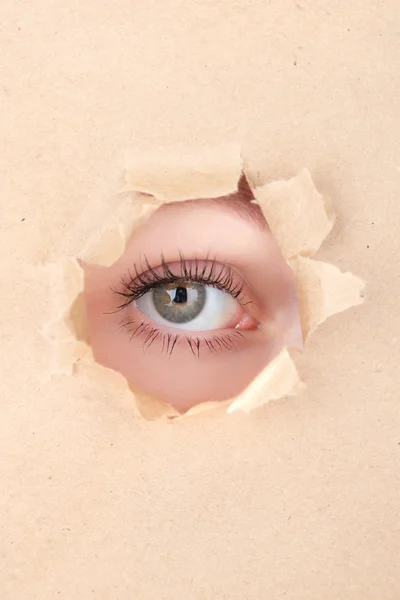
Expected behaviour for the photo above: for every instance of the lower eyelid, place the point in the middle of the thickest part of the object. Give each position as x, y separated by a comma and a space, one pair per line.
170, 339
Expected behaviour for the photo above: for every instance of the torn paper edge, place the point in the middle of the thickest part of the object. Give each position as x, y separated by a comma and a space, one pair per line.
299, 217
174, 174
323, 291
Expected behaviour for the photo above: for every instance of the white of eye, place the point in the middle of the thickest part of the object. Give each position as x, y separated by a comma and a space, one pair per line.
219, 308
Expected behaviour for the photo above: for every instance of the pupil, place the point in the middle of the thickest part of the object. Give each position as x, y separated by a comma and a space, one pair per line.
180, 295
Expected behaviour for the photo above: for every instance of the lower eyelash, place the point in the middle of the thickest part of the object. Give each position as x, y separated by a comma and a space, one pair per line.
169, 342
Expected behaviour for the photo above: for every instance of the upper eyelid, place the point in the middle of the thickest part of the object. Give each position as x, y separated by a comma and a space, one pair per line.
211, 272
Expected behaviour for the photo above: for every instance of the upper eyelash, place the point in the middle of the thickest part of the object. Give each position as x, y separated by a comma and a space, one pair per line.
212, 273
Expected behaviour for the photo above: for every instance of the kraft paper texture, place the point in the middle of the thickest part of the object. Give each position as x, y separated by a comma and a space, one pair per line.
101, 495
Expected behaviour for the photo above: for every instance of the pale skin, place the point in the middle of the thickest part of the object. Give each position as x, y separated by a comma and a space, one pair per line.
231, 231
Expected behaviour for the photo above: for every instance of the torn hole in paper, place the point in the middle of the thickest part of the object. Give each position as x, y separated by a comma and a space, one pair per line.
297, 215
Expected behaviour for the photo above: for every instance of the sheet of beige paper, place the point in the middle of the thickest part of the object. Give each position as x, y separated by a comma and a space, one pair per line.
298, 499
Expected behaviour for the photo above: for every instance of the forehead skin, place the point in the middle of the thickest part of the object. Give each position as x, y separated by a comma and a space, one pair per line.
241, 202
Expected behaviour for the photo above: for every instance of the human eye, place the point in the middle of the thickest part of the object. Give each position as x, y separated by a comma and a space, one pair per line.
197, 302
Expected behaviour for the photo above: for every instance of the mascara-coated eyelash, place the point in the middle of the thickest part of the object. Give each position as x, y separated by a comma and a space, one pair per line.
205, 272
170, 341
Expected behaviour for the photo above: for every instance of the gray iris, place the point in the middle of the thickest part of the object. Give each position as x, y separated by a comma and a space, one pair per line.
179, 303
